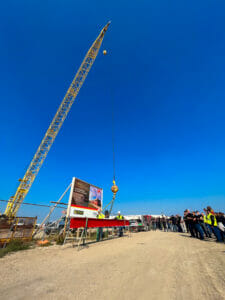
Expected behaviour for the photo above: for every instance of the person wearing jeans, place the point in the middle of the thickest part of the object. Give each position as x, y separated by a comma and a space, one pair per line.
198, 228
188, 217
211, 218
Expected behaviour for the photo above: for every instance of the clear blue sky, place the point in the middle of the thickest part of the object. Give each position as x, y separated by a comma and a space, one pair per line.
165, 69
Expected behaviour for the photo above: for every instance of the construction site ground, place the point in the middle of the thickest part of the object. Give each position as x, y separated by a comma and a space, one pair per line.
147, 265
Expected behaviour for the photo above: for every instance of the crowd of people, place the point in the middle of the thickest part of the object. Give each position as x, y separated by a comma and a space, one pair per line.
200, 225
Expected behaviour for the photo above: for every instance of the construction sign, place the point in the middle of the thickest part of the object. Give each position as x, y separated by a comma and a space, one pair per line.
85, 199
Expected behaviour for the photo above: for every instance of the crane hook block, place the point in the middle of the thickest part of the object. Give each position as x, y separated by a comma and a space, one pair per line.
114, 189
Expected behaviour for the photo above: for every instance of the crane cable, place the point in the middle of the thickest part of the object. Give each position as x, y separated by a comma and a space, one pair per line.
113, 141
114, 188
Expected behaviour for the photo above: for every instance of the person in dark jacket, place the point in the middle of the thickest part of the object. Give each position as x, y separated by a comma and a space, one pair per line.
197, 224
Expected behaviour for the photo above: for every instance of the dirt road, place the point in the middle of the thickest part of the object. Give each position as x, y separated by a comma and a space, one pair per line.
151, 265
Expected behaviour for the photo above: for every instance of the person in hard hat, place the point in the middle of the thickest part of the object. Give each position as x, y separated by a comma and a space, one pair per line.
100, 215
120, 217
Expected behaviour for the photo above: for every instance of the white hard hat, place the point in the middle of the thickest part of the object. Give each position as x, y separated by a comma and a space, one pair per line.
118, 212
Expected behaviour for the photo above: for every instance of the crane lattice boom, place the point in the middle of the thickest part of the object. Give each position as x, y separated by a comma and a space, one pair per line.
64, 108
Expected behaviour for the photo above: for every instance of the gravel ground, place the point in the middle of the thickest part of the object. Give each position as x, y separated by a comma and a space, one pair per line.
147, 265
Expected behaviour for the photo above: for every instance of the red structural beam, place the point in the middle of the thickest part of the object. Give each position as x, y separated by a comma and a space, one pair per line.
93, 223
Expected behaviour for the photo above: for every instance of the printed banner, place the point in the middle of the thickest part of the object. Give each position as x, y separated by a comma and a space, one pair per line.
85, 199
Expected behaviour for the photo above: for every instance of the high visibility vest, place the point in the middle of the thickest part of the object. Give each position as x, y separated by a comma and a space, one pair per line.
205, 219
101, 216
215, 221
119, 217
208, 219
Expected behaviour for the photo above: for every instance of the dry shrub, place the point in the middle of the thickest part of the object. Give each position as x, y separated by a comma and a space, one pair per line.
13, 246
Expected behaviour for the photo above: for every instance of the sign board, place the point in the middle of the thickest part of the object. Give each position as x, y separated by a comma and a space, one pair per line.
85, 199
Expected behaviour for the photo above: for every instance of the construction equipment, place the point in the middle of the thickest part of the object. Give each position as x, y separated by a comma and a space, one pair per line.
42, 151
114, 189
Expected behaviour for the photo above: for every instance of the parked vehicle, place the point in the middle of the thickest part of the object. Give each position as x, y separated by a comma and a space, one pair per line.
56, 226
137, 223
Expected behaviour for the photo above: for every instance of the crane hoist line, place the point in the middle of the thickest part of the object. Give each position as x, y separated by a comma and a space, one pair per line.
42, 151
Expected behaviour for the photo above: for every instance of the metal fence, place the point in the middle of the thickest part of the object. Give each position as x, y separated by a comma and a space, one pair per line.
19, 228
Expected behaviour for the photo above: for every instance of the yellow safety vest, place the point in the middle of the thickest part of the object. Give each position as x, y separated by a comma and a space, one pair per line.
215, 221
101, 216
119, 217
205, 219
210, 221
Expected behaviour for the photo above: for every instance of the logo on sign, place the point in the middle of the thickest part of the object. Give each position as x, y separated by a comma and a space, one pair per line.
78, 212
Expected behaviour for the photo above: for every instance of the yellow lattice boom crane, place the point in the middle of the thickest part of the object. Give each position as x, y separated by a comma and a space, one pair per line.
42, 151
